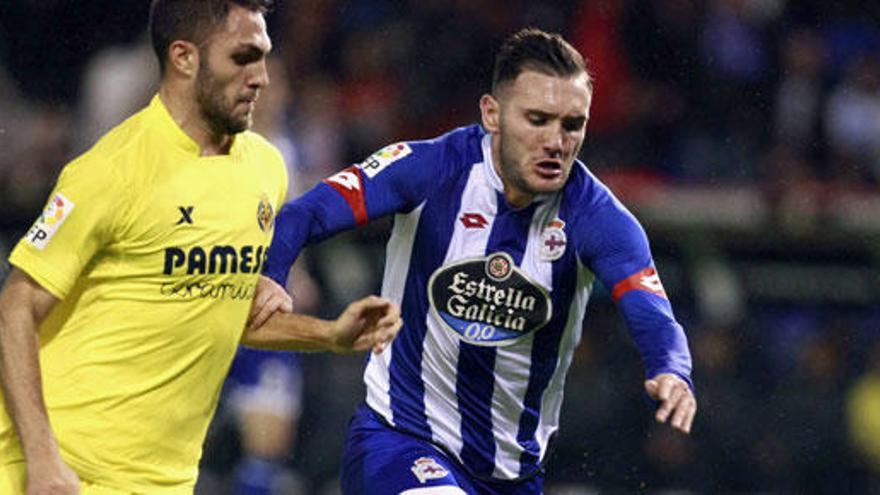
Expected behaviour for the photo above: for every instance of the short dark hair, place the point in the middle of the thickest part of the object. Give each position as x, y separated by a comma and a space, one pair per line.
534, 49
191, 20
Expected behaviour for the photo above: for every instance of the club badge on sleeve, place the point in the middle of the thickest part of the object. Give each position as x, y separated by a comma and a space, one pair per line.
426, 468
54, 215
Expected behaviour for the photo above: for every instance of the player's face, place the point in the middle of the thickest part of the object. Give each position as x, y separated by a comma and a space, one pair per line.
232, 71
539, 122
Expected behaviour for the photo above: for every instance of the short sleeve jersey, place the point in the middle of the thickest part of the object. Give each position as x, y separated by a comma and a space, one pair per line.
154, 253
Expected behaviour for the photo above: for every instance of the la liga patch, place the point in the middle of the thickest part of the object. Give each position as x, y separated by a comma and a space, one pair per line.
56, 212
377, 162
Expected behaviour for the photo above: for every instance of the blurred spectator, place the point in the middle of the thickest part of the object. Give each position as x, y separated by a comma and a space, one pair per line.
117, 81
853, 121
806, 413
618, 105
726, 399
661, 38
799, 99
317, 127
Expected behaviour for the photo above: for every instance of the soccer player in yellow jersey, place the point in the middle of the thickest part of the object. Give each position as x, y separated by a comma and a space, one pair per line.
131, 292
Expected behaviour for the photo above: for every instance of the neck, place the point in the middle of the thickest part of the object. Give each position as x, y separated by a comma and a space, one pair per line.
515, 196
181, 104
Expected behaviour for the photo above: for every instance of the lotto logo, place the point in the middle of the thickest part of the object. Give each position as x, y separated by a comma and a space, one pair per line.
473, 221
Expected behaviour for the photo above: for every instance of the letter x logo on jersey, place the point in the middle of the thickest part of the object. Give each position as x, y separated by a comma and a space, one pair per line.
185, 214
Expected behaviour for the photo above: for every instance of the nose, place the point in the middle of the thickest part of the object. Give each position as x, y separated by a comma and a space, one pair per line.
260, 76
554, 141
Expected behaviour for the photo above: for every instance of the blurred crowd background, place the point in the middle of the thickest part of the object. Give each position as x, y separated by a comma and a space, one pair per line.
744, 133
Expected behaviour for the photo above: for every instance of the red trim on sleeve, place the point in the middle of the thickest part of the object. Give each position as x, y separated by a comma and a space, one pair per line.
350, 184
647, 280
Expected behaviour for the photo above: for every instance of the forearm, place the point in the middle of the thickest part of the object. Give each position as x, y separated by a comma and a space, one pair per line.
21, 381
660, 339
291, 332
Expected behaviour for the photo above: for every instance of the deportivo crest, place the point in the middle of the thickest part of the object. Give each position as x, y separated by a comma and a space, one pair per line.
553, 240
265, 214
427, 468
55, 213
377, 162
488, 300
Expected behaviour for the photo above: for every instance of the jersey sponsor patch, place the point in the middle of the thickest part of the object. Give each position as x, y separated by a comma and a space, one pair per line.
377, 162
54, 215
647, 280
427, 468
488, 300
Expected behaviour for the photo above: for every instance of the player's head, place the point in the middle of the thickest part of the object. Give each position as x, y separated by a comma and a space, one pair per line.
217, 48
537, 111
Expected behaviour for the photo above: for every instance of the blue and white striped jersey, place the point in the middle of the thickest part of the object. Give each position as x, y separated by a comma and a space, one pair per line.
493, 298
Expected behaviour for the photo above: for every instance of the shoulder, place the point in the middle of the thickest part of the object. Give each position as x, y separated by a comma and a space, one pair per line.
587, 194
428, 160
599, 216
461, 145
117, 154
256, 147
260, 152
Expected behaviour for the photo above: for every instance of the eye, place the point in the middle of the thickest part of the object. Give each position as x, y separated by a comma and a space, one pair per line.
243, 58
573, 125
247, 56
536, 119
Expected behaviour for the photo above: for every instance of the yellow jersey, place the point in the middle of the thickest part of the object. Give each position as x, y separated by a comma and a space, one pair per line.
154, 253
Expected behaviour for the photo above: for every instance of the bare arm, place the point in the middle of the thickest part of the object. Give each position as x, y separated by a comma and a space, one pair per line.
371, 322
23, 305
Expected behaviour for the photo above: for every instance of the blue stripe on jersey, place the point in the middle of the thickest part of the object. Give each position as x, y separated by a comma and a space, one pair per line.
545, 355
475, 381
545, 347
406, 389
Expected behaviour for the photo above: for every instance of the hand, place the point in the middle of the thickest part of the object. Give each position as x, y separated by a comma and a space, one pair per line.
269, 298
371, 322
52, 478
676, 399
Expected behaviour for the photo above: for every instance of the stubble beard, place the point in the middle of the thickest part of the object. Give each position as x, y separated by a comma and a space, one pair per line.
510, 168
215, 111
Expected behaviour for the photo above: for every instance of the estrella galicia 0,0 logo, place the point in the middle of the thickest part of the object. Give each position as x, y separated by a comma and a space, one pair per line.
488, 300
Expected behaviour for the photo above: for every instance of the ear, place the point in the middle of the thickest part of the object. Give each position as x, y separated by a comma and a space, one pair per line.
490, 110
183, 56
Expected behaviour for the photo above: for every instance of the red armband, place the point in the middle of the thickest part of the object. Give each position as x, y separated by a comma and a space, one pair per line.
647, 280
350, 184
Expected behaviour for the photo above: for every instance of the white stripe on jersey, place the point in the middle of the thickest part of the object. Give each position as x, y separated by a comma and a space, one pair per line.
397, 258
440, 352
552, 400
512, 367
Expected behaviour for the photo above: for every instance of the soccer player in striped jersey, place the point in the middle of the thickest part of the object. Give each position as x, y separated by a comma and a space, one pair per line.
499, 232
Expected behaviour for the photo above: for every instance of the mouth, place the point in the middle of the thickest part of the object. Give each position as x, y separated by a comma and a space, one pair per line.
549, 169
249, 101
